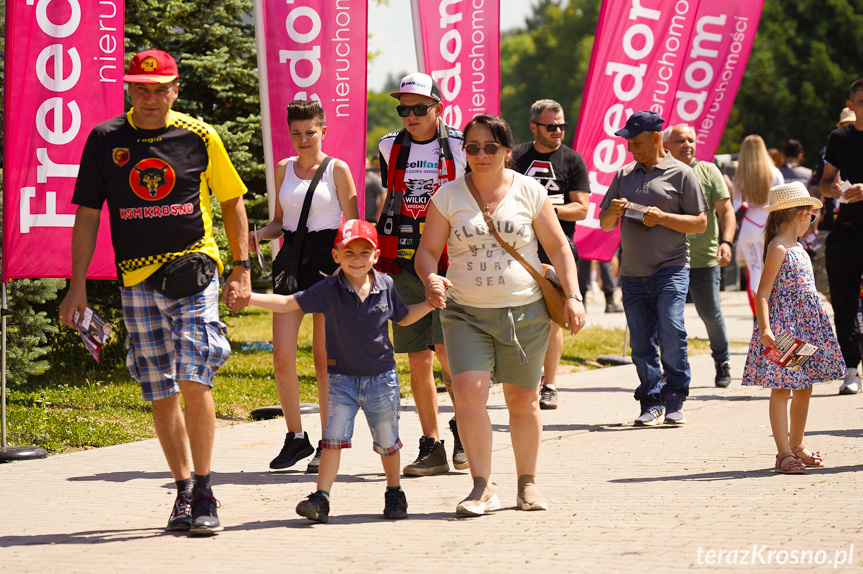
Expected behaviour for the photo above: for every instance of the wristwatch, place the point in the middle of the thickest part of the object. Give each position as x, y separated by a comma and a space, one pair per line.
247, 263
576, 296
729, 243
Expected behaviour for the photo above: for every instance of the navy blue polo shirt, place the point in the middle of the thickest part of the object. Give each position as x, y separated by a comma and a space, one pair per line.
358, 339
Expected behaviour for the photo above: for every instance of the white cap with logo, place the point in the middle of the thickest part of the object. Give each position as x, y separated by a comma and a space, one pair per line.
419, 84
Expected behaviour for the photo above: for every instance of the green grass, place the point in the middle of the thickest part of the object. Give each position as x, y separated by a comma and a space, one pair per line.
62, 411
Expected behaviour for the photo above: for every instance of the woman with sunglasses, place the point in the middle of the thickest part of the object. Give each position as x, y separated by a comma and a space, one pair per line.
334, 195
494, 318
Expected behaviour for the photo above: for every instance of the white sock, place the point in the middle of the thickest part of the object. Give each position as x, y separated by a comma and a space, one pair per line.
300, 435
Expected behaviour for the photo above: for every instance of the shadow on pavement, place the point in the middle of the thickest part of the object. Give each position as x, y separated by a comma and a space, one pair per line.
242, 478
738, 474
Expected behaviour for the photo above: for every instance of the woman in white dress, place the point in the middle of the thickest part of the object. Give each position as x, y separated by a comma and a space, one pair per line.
755, 175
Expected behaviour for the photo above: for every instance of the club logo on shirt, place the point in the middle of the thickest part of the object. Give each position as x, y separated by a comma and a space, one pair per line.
543, 172
120, 155
152, 179
418, 193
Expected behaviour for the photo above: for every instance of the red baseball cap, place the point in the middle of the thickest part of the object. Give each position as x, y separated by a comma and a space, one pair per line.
152, 67
353, 229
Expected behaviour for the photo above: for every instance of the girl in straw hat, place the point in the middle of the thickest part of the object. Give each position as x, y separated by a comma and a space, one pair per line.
787, 302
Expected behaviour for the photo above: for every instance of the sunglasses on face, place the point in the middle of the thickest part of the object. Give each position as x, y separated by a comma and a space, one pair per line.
489, 148
553, 127
419, 110
811, 213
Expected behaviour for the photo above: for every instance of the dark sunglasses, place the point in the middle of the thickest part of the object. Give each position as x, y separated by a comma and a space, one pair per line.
419, 110
553, 127
489, 148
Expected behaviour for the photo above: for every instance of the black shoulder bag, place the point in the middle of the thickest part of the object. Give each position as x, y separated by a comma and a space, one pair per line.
289, 279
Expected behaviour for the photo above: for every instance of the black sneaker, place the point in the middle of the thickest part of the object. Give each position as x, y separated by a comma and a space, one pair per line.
205, 521
315, 507
723, 375
459, 458
315, 463
293, 451
181, 516
431, 460
547, 397
395, 504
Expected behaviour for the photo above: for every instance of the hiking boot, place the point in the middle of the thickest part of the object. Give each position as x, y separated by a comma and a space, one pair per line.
315, 463
205, 521
851, 384
674, 408
315, 507
651, 417
293, 451
395, 504
547, 396
459, 458
611, 306
723, 375
181, 516
431, 460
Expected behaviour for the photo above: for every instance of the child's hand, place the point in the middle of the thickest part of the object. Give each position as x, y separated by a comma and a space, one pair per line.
767, 338
232, 298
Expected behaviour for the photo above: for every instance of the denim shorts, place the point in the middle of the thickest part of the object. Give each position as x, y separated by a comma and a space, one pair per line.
425, 333
378, 396
510, 342
173, 340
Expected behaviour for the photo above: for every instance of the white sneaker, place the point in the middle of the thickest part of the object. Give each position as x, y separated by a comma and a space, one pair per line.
851, 384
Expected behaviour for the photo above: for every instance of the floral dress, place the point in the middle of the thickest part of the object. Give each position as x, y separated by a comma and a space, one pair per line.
795, 308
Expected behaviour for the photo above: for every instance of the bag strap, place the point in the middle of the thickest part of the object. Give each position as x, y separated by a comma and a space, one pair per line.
300, 234
485, 209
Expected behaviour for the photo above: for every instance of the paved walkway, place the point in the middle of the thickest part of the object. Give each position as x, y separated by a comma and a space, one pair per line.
623, 499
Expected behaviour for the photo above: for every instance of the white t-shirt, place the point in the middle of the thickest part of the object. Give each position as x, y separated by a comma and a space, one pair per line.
325, 211
483, 273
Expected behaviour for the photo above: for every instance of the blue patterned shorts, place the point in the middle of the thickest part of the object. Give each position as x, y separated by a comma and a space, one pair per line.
173, 340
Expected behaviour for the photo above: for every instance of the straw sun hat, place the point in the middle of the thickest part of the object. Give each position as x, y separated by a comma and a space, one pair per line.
792, 194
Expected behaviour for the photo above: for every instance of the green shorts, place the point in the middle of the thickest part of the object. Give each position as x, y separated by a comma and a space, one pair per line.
509, 342
425, 333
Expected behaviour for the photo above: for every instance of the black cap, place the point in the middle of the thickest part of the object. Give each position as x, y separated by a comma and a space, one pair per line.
643, 121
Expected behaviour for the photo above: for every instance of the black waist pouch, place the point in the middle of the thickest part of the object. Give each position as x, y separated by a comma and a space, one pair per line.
185, 276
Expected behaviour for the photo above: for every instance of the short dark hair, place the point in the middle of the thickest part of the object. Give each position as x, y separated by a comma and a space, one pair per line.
792, 149
299, 110
500, 130
857, 86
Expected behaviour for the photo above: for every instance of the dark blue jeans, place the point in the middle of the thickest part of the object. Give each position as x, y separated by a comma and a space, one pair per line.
704, 287
654, 312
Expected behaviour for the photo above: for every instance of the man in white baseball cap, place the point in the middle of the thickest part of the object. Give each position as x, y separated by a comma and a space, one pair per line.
415, 161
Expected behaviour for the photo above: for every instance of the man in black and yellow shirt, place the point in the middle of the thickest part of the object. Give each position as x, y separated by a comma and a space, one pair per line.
156, 168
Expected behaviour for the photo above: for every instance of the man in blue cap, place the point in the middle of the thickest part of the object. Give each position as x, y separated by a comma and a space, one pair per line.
657, 201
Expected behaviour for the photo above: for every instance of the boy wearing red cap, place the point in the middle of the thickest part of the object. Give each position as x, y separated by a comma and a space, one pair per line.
357, 299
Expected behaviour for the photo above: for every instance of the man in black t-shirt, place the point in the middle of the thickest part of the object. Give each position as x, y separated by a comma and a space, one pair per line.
844, 245
155, 168
562, 172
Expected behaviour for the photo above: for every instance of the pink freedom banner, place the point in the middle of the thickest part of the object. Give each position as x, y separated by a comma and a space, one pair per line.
314, 50
683, 59
458, 44
64, 70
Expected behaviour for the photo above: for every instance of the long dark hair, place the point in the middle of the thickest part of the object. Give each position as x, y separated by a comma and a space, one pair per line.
775, 221
299, 110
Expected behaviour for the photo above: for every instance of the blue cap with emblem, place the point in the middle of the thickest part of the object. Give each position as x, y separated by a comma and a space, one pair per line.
643, 121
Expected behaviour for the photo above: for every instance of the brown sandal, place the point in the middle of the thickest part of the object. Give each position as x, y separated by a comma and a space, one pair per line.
813, 460
787, 463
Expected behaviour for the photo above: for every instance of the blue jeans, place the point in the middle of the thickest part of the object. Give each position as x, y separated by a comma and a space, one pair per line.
378, 396
704, 287
654, 313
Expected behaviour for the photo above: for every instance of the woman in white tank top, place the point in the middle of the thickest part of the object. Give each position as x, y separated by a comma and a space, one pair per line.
334, 195
755, 175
